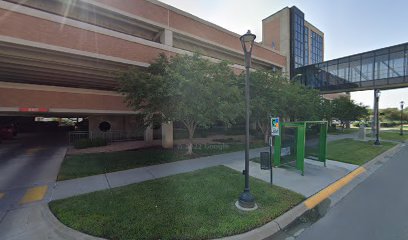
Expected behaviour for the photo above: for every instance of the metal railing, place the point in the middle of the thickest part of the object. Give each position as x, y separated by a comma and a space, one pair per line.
110, 136
75, 136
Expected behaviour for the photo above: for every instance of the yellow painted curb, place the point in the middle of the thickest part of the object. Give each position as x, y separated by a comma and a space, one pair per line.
332, 188
2, 195
34, 194
32, 151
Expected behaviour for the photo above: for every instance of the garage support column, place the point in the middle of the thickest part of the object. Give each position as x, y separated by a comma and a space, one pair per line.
167, 135
166, 37
148, 134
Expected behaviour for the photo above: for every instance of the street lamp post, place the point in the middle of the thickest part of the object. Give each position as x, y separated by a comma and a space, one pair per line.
246, 200
377, 95
402, 113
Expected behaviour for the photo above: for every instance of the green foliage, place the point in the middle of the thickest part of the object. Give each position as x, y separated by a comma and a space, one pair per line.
389, 124
347, 110
273, 95
184, 88
195, 205
87, 143
266, 88
326, 110
393, 114
357, 124
301, 102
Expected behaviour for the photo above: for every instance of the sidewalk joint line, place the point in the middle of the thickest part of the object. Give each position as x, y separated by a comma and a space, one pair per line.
4, 216
52, 191
107, 181
278, 224
150, 172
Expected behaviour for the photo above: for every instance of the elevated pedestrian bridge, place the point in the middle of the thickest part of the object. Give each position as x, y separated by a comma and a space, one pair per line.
385, 68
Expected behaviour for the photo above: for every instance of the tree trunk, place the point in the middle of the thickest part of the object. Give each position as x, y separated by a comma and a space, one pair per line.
265, 129
266, 137
191, 126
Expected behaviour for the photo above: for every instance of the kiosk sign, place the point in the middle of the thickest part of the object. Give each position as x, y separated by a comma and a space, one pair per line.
275, 126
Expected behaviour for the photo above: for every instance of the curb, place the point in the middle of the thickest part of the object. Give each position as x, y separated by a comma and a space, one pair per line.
287, 218
60, 229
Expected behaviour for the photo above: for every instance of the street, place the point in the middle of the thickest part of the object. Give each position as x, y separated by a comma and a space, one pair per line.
29, 164
375, 209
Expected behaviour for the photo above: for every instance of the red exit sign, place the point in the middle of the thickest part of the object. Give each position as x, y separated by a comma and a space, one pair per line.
28, 109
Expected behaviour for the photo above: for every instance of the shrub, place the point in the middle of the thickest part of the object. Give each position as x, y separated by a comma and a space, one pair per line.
87, 143
389, 124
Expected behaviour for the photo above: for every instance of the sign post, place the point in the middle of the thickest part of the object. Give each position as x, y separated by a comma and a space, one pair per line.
274, 132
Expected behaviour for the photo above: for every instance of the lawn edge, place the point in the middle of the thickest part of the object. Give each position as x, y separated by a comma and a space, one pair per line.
278, 223
354, 178
187, 159
60, 229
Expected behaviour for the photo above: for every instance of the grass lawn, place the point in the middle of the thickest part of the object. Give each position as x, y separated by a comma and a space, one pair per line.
196, 205
392, 135
352, 151
355, 152
83, 165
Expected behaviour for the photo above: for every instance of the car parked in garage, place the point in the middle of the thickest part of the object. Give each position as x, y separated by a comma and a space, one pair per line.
8, 131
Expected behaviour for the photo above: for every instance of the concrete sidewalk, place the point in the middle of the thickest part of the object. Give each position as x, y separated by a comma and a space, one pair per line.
316, 176
69, 188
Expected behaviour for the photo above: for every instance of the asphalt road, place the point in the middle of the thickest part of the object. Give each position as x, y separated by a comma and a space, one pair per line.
27, 161
375, 209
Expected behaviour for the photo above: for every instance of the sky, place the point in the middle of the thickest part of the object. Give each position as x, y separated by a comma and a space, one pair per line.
349, 26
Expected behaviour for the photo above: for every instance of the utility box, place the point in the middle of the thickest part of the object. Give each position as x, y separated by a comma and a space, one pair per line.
362, 132
265, 161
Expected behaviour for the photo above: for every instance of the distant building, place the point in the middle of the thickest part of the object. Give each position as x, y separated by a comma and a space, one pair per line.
288, 32
59, 58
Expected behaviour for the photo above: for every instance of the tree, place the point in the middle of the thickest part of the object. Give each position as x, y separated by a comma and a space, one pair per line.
393, 114
326, 110
266, 91
347, 110
300, 103
273, 95
184, 88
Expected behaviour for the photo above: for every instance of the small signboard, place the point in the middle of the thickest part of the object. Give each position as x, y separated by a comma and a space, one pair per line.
275, 126
35, 109
285, 151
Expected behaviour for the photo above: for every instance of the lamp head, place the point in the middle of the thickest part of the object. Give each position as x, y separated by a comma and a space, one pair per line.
247, 41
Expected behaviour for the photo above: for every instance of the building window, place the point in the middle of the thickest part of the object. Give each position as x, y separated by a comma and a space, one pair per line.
367, 65
396, 64
297, 52
104, 126
306, 61
317, 48
381, 67
355, 71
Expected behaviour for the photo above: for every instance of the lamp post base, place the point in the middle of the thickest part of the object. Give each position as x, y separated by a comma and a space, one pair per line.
246, 200
377, 142
245, 209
